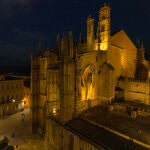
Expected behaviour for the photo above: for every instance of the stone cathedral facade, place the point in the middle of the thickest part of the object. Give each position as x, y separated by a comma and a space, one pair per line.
74, 77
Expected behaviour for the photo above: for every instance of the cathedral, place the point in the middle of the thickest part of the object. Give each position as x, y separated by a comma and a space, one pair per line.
77, 76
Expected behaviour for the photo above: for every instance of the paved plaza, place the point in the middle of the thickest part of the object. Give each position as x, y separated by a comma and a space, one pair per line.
17, 128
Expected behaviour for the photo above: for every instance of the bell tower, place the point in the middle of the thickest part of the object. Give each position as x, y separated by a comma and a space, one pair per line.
104, 27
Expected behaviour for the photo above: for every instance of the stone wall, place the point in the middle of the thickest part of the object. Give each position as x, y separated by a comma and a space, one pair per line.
58, 137
136, 90
128, 53
84, 105
114, 58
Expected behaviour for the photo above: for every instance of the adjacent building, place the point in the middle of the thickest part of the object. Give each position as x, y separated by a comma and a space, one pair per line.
11, 95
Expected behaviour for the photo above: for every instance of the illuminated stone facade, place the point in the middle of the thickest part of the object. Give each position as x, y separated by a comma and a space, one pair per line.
11, 95
71, 78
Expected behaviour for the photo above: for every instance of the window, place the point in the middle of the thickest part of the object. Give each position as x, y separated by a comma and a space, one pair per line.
8, 98
103, 17
102, 28
89, 30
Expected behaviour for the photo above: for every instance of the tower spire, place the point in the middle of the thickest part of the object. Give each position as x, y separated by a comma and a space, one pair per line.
90, 30
64, 46
138, 42
70, 45
58, 45
80, 38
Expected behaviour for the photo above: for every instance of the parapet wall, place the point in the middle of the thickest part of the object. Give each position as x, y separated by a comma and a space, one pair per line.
135, 90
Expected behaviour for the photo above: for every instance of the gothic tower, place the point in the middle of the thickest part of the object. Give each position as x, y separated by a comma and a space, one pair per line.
90, 30
58, 45
67, 79
34, 93
104, 27
141, 65
70, 46
140, 54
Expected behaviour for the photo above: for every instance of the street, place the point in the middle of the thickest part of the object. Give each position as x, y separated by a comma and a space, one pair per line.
17, 128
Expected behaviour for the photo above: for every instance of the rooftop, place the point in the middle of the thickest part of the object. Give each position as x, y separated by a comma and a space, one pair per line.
91, 125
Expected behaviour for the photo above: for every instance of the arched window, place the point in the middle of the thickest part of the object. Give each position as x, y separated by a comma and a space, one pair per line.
102, 28
103, 17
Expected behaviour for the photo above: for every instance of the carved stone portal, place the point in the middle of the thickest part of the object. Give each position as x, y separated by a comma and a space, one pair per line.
87, 83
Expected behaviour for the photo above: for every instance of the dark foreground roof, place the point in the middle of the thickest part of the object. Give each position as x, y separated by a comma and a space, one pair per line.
99, 136
8, 77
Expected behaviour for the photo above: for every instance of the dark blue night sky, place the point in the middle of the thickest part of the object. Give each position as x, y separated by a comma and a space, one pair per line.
24, 22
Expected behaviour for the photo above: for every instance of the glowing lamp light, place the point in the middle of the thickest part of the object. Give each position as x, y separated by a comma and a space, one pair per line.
23, 102
103, 46
54, 111
13, 100
148, 73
